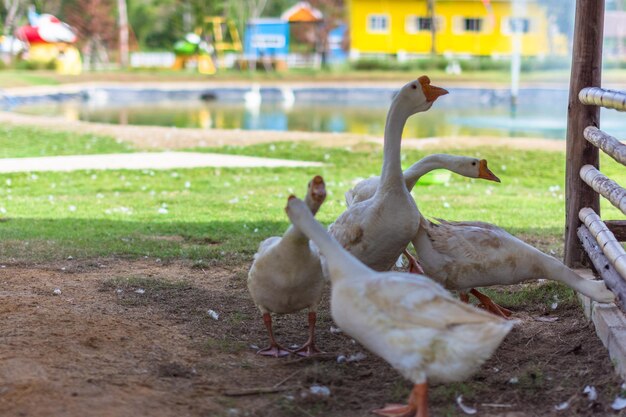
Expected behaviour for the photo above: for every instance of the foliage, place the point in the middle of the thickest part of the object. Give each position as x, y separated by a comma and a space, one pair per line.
34, 65
369, 64
468, 64
156, 25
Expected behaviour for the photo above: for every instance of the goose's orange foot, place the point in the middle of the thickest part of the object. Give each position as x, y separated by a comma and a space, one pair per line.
275, 351
309, 348
396, 410
418, 404
414, 266
306, 350
489, 305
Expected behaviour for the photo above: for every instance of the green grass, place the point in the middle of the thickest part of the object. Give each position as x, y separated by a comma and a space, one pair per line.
22, 141
17, 78
220, 215
533, 295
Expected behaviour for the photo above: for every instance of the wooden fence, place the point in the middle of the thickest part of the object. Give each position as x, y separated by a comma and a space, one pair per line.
586, 234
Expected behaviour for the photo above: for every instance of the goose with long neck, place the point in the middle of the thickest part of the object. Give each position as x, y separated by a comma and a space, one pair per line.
286, 277
378, 230
409, 320
464, 255
461, 165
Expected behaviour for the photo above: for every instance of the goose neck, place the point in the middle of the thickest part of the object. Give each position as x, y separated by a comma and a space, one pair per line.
392, 164
424, 166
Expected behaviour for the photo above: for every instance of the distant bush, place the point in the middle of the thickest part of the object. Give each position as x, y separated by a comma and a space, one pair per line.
546, 64
614, 64
34, 65
371, 64
391, 64
484, 63
481, 63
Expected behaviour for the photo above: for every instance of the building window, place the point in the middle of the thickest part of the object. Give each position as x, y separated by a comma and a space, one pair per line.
471, 24
378, 23
424, 23
416, 24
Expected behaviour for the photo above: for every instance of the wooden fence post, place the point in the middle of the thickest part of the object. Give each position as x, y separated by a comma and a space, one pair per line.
586, 72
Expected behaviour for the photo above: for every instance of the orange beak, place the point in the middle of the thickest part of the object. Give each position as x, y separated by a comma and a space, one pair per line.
485, 173
430, 91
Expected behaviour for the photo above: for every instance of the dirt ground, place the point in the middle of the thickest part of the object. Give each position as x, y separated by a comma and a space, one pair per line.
134, 338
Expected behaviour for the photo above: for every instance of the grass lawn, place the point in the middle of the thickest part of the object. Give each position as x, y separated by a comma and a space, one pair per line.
220, 215
22, 141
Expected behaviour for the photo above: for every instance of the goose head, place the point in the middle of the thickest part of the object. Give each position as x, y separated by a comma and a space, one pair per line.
316, 193
473, 168
419, 95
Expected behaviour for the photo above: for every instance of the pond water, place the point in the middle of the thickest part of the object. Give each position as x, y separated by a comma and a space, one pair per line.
464, 112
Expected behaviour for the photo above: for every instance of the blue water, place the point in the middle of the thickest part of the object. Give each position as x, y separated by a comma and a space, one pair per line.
464, 112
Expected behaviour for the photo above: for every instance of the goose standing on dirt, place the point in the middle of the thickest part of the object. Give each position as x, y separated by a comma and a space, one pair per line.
378, 230
286, 277
409, 320
464, 255
462, 165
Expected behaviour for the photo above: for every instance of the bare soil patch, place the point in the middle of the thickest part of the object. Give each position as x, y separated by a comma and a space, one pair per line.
134, 338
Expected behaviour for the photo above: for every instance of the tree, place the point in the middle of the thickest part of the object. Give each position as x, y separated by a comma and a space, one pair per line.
243, 10
334, 15
94, 20
12, 8
122, 14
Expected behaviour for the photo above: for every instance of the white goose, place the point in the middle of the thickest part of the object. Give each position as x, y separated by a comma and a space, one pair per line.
378, 230
408, 320
462, 165
286, 277
464, 255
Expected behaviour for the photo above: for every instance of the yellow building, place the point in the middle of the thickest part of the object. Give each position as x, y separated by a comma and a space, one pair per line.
462, 28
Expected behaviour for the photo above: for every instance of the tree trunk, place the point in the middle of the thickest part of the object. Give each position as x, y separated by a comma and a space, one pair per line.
12, 7
123, 27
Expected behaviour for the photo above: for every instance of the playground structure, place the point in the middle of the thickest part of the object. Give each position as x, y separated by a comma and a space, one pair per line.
208, 46
268, 41
48, 40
